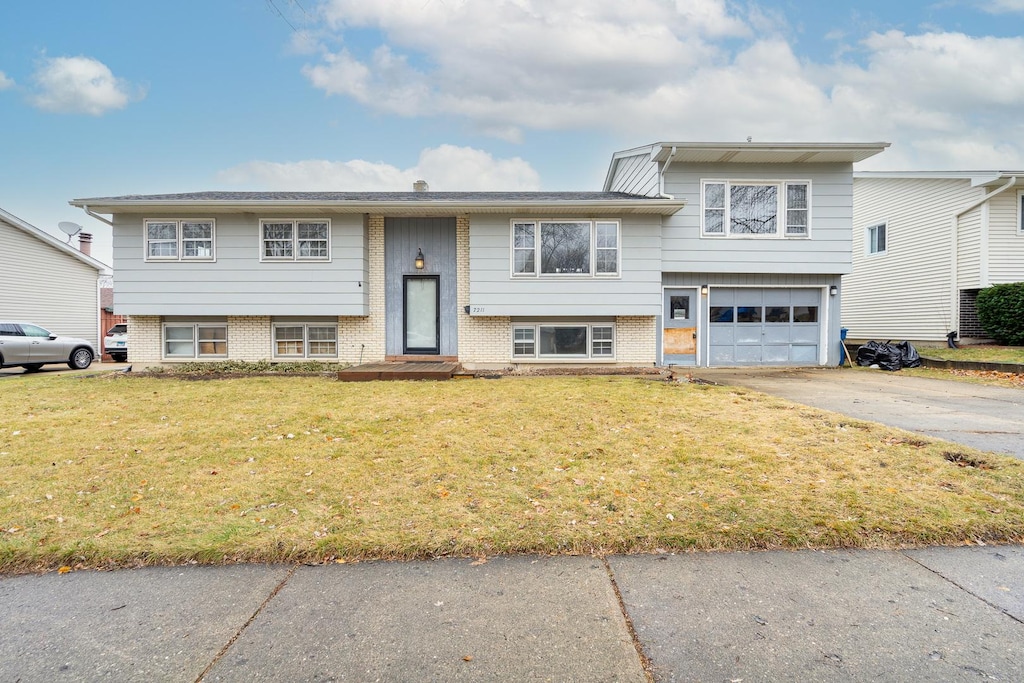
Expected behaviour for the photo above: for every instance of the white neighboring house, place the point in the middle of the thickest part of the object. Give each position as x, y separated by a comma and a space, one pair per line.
48, 282
924, 245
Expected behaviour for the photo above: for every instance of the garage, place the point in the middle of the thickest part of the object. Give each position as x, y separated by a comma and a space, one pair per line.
764, 326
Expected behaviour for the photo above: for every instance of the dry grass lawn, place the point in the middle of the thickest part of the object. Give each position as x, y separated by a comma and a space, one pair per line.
116, 470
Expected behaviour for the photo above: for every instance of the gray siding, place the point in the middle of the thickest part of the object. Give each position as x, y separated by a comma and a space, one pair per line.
436, 237
48, 287
238, 283
827, 250
494, 292
1005, 242
635, 175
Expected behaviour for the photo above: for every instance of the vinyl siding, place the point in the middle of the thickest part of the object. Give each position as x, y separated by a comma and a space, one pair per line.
1005, 243
635, 175
238, 283
905, 292
45, 286
494, 292
827, 250
968, 247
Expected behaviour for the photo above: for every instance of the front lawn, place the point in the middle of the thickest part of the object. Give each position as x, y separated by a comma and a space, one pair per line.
115, 470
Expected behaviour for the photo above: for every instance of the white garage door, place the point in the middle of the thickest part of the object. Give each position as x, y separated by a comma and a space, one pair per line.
764, 326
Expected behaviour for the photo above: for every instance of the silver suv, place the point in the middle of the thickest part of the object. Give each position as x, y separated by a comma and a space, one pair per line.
32, 347
116, 342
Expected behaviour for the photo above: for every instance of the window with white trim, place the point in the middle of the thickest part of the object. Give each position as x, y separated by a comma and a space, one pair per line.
876, 238
565, 247
1020, 212
563, 341
731, 208
189, 239
195, 340
295, 240
305, 340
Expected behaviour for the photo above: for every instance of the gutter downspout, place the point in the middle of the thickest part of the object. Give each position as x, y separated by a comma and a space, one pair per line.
85, 207
954, 257
661, 175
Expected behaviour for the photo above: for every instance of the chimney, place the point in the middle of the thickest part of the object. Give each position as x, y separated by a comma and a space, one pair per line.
420, 186
85, 243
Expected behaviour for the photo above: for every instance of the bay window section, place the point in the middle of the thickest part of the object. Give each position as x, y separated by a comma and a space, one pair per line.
563, 341
567, 247
754, 208
195, 340
295, 240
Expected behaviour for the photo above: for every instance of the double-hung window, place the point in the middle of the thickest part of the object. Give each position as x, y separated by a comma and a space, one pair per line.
305, 340
563, 341
876, 238
732, 208
180, 240
295, 240
195, 340
565, 247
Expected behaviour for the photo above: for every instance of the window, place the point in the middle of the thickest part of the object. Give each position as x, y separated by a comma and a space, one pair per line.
564, 341
295, 240
589, 248
745, 209
1020, 212
180, 240
766, 314
195, 340
305, 340
876, 239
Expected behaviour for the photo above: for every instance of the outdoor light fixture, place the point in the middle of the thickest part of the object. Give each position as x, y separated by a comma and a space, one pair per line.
833, 290
419, 259
703, 290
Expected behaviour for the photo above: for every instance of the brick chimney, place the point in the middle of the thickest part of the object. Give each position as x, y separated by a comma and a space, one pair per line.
420, 186
85, 243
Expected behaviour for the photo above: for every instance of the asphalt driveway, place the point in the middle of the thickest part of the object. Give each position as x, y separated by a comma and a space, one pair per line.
985, 417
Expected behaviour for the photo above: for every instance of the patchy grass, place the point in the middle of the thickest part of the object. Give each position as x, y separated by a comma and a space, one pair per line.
115, 470
983, 353
1009, 380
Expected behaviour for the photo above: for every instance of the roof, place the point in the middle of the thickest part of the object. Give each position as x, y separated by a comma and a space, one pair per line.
392, 203
49, 239
977, 178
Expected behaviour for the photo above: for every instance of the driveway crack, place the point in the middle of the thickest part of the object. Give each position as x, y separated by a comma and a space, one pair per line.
962, 588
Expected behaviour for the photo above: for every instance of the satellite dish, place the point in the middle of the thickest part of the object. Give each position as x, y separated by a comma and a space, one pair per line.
70, 229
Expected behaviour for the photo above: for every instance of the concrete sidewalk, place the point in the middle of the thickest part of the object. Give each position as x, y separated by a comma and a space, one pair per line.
942, 614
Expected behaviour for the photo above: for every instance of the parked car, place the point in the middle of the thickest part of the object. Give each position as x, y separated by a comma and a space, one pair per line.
116, 342
32, 347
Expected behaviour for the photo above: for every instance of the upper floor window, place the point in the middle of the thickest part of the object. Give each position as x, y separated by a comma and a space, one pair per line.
566, 247
180, 240
876, 239
759, 209
1020, 212
295, 240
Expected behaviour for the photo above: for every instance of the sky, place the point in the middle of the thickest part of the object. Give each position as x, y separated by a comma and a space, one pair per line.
111, 97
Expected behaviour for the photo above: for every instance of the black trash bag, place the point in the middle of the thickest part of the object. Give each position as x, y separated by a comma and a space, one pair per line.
910, 357
885, 355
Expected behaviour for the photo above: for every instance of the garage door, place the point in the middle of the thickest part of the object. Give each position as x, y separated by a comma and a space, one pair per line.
764, 326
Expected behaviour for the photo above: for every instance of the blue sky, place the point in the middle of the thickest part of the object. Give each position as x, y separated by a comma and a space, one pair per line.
111, 97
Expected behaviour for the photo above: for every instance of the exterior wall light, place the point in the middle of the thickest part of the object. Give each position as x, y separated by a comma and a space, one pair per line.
833, 290
419, 259
703, 290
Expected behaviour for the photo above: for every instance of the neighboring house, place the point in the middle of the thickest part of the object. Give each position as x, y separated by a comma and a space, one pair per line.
693, 254
48, 282
924, 244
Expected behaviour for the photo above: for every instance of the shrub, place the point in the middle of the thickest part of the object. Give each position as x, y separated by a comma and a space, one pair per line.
1001, 313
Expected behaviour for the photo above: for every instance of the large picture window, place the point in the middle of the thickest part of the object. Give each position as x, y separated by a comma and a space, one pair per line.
195, 340
755, 209
566, 247
295, 240
564, 341
305, 340
180, 240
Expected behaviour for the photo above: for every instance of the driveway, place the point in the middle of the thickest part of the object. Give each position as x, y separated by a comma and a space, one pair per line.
59, 369
984, 417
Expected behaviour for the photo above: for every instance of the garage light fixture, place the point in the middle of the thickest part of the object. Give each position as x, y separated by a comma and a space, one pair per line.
833, 290
703, 290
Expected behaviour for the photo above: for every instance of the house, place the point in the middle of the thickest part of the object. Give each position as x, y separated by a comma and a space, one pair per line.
48, 282
924, 244
692, 254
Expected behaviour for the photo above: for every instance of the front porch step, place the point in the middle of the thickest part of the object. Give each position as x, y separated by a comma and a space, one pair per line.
414, 370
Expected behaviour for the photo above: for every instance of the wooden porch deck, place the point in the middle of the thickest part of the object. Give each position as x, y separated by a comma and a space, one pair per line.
369, 372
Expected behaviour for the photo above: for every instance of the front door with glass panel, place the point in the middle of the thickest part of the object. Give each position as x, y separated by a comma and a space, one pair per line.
421, 322
679, 329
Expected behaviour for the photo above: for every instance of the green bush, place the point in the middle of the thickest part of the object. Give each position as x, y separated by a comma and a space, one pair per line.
1001, 313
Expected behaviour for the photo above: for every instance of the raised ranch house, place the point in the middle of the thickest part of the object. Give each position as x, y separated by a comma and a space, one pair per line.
924, 245
692, 254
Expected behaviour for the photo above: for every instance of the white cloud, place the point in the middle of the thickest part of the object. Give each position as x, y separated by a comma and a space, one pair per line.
1003, 6
79, 85
675, 69
5, 81
445, 168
